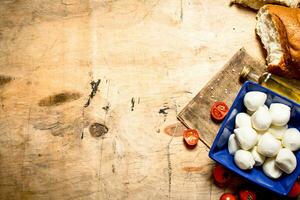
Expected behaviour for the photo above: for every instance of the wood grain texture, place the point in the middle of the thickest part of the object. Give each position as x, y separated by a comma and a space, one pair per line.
222, 87
149, 55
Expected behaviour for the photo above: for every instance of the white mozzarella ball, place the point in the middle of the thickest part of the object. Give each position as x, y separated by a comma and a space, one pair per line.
268, 145
253, 100
261, 119
242, 119
258, 158
270, 169
232, 144
243, 159
280, 114
291, 139
277, 131
246, 137
286, 160
260, 134
251, 112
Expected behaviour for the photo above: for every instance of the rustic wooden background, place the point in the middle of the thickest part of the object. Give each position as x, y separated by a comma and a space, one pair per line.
150, 57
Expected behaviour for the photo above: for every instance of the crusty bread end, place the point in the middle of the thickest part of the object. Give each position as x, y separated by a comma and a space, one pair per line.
273, 34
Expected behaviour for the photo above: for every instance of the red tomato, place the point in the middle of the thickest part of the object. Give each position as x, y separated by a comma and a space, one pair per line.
221, 175
247, 195
191, 136
295, 191
227, 196
219, 110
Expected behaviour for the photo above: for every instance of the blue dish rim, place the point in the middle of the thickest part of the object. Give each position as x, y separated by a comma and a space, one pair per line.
212, 156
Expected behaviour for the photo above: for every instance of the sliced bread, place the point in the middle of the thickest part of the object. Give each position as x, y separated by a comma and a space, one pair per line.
279, 30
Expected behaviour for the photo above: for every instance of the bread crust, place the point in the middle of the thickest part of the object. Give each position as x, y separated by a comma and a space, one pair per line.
287, 23
281, 67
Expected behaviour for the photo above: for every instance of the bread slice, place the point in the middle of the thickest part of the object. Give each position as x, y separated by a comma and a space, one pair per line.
257, 4
279, 30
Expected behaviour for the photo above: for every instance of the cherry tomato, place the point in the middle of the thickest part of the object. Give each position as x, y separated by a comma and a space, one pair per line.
219, 110
227, 196
191, 136
295, 191
247, 195
221, 175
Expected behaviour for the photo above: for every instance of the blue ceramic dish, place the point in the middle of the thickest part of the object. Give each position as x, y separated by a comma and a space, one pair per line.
220, 154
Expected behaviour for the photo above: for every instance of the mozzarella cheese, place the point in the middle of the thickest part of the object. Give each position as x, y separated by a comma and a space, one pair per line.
232, 144
268, 145
260, 134
243, 159
253, 100
261, 119
251, 112
280, 114
268, 129
291, 139
277, 131
242, 119
286, 160
270, 169
258, 158
246, 137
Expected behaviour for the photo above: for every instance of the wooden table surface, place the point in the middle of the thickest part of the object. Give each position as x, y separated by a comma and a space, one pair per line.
151, 57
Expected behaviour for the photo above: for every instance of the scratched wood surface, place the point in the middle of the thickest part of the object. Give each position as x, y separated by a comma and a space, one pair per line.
145, 59
222, 87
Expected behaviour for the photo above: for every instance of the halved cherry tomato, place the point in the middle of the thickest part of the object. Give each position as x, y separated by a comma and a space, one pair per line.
221, 175
227, 196
191, 136
219, 110
295, 191
247, 195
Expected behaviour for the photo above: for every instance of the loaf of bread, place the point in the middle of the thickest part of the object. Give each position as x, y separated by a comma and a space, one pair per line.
279, 30
257, 4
